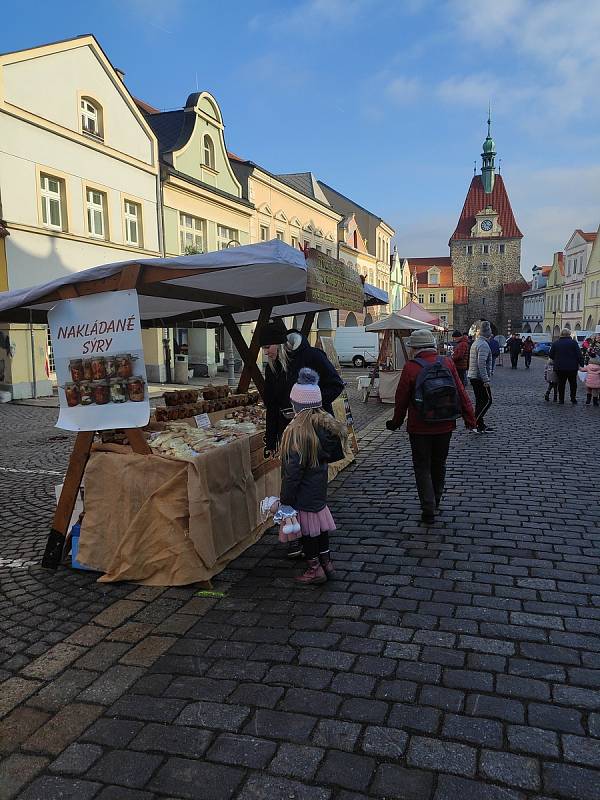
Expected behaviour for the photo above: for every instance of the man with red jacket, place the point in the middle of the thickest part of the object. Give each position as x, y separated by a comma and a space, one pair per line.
429, 441
460, 355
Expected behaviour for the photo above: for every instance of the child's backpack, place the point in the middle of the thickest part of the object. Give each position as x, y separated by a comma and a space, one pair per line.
436, 394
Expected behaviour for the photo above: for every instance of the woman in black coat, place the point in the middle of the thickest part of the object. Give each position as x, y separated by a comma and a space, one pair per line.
288, 352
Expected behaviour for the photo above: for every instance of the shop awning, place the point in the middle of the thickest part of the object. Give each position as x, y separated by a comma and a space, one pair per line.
399, 322
239, 282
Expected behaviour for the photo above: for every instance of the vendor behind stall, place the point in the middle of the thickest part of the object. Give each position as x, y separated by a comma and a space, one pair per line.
288, 352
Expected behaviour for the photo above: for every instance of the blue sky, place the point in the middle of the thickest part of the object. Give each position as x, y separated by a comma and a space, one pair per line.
384, 100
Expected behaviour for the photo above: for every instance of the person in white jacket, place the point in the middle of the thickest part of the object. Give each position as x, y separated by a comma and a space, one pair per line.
480, 373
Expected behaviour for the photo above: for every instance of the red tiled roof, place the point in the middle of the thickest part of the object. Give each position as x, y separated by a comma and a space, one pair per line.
145, 107
477, 200
233, 157
589, 237
516, 288
461, 295
446, 279
437, 261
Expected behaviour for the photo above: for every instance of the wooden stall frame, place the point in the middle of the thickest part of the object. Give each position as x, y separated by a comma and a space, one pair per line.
152, 280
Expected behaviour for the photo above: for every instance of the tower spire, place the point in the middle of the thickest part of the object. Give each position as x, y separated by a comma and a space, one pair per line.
488, 156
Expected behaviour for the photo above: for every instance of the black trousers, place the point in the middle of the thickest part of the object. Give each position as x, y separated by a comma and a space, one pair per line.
527, 357
514, 359
483, 400
314, 546
563, 377
429, 454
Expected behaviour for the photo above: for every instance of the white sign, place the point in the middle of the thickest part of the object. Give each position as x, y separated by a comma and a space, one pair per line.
97, 343
203, 421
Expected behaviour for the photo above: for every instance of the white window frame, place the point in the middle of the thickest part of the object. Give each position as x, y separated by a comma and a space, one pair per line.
208, 151
132, 215
280, 235
443, 297
434, 277
501, 248
48, 197
485, 249
91, 112
264, 233
94, 208
469, 250
226, 235
431, 298
421, 299
192, 232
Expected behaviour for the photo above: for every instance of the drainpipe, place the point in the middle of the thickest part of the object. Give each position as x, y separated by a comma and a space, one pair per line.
163, 251
31, 340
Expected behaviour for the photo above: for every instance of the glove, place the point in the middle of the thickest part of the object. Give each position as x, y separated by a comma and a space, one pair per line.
391, 425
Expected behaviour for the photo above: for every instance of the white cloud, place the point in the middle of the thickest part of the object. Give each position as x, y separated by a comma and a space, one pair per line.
312, 17
156, 13
403, 90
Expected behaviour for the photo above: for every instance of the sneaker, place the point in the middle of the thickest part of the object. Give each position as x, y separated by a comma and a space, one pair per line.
313, 575
487, 429
574, 402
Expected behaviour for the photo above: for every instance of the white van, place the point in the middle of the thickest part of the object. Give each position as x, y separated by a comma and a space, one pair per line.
356, 346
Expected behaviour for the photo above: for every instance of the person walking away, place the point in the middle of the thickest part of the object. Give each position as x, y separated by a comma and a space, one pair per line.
480, 373
514, 348
593, 380
460, 354
311, 441
528, 346
566, 355
431, 391
552, 380
495, 350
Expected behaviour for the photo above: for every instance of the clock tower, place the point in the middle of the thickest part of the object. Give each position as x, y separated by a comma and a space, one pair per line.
485, 251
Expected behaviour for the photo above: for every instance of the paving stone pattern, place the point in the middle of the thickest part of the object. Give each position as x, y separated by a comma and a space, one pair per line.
456, 661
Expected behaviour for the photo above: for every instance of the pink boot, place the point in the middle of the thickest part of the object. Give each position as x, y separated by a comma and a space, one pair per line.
314, 573
327, 565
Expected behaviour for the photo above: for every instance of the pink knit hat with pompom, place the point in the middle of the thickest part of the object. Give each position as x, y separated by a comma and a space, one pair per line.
305, 392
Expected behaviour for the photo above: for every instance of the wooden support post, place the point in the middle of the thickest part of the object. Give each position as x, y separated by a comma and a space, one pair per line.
66, 502
307, 323
138, 442
253, 350
242, 348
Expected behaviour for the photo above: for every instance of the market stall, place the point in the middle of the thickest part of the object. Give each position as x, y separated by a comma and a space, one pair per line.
392, 351
190, 481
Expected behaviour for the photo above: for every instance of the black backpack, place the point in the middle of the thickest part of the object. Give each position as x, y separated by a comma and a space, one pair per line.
436, 395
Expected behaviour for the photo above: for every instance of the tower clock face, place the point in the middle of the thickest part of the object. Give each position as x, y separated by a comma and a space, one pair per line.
486, 225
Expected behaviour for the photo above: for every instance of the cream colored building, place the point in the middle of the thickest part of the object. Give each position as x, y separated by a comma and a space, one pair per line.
403, 282
577, 253
203, 210
591, 312
78, 182
553, 297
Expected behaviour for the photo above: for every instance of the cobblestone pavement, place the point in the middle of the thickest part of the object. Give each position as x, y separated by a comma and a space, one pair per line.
456, 661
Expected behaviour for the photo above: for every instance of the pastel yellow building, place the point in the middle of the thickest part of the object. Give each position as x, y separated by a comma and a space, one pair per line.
435, 287
591, 313
553, 297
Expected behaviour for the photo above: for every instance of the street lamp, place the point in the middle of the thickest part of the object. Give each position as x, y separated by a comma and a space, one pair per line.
230, 351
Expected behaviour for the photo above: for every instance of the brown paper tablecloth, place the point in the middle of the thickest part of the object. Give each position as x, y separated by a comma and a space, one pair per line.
168, 523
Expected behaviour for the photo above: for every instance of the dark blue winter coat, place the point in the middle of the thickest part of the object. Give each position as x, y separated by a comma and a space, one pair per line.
565, 354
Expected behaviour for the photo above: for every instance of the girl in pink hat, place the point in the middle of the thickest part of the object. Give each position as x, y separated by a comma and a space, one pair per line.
312, 440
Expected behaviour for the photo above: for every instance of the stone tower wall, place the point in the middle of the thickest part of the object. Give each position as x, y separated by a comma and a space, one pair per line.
484, 301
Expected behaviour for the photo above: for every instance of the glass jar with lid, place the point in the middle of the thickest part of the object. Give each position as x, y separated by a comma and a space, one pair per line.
86, 393
72, 394
101, 392
110, 365
76, 370
118, 391
124, 366
98, 368
135, 389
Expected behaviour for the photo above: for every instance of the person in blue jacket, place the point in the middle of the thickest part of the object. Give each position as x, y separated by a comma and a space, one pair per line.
567, 359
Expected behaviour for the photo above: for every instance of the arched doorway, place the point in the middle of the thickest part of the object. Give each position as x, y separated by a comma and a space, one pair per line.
351, 321
538, 328
589, 324
578, 327
556, 333
368, 319
548, 331
527, 328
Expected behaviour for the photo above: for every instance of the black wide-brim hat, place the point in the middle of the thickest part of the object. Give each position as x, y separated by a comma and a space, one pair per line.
273, 333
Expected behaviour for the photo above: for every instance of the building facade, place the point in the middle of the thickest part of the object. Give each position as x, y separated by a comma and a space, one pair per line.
553, 297
78, 183
403, 282
534, 301
577, 254
435, 287
591, 312
202, 210
485, 252
376, 236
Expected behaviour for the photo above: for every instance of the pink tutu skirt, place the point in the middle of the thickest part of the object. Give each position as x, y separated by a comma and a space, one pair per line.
313, 523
